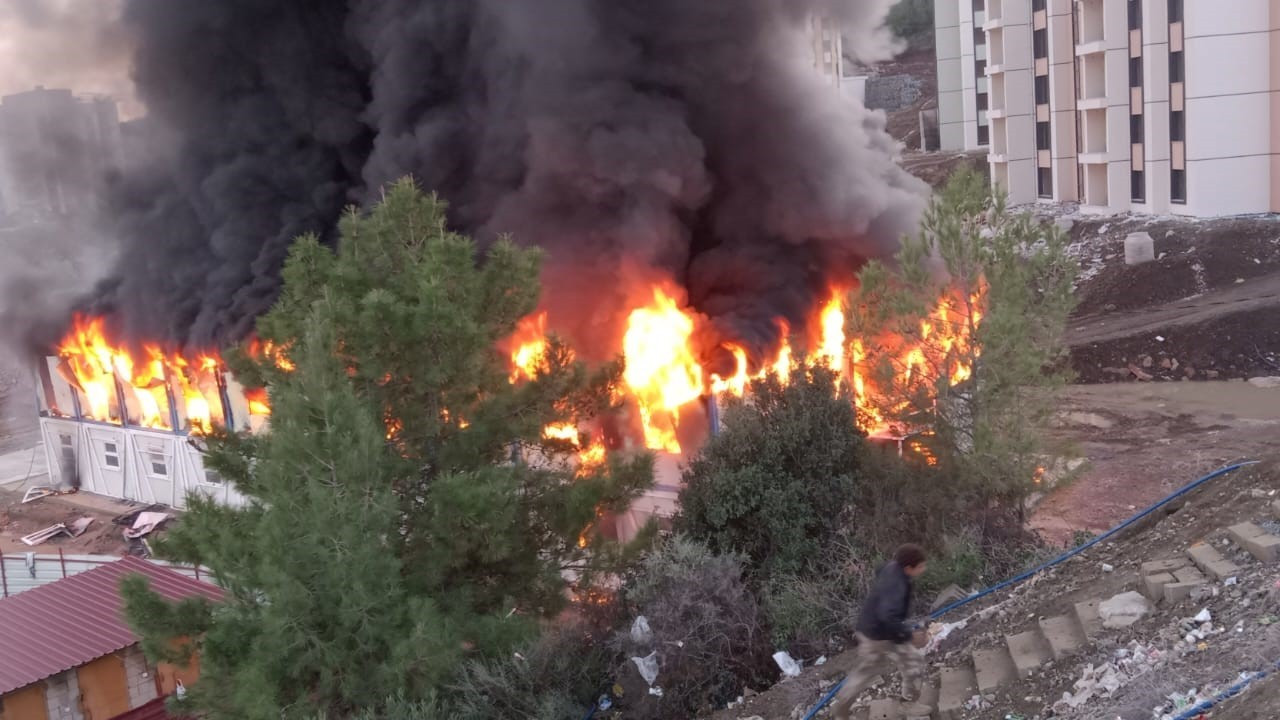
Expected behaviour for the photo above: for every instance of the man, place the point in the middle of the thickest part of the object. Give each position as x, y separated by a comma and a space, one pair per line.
884, 636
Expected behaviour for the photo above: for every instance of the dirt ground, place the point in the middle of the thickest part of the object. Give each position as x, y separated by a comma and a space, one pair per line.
1143, 440
19, 435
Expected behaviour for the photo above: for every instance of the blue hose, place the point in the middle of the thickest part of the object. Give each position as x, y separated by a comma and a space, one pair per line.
1227, 694
1062, 558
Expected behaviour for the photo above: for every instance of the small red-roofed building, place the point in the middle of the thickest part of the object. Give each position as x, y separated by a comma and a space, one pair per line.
67, 653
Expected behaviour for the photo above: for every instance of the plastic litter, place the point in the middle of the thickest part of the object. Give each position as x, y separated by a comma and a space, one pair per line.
648, 667
786, 663
641, 634
1203, 616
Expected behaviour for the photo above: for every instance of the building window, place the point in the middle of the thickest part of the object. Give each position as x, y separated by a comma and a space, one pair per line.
984, 134
159, 464
1037, 5
979, 5
982, 101
1044, 182
65, 439
1040, 42
980, 68
1135, 72
1137, 186
110, 455
1135, 14
979, 36
1177, 126
1175, 11
1175, 67
1042, 136
1135, 129
1178, 186
1042, 89
211, 477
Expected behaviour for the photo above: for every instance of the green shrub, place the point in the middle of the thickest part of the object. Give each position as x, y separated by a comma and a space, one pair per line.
777, 483
911, 20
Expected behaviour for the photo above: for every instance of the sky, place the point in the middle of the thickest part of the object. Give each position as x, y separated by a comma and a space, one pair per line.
76, 44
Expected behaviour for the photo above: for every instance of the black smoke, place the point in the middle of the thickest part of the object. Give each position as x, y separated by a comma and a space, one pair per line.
635, 140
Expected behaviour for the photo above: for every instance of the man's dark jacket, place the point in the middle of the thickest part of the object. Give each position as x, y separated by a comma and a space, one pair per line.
884, 613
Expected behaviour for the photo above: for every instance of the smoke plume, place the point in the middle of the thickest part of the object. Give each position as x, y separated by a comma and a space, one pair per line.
635, 140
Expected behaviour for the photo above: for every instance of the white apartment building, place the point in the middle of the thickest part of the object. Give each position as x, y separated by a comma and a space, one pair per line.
1149, 106
963, 85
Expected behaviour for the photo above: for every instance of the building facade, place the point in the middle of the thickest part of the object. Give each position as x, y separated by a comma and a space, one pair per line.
963, 85
1148, 106
54, 149
100, 437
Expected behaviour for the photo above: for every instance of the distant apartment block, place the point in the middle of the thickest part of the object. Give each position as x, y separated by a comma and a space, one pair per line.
963, 85
1149, 106
828, 49
54, 149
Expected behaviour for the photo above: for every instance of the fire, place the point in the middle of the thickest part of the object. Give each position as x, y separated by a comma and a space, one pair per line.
529, 346
147, 387
589, 457
662, 372
831, 346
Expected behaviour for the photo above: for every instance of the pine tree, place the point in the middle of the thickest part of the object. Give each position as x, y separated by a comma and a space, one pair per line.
393, 527
993, 354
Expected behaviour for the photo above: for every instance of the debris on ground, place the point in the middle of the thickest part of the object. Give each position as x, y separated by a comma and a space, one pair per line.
145, 523
1123, 610
786, 663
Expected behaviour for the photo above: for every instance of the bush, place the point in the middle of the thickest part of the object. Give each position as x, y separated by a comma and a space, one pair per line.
911, 20
777, 483
553, 678
705, 629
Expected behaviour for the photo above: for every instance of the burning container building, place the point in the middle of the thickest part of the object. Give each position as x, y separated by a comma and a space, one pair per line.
127, 428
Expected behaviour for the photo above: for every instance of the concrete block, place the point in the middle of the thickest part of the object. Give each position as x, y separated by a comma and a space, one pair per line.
929, 694
884, 710
1275, 508
1064, 635
1261, 544
1189, 575
1139, 248
1212, 562
959, 684
1029, 651
1088, 617
1153, 585
1177, 592
994, 668
1155, 567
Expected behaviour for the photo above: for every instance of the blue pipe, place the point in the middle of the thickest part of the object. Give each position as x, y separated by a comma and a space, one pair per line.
1227, 694
1062, 558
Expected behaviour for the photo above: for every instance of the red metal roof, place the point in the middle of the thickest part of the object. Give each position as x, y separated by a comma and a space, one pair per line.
70, 622
154, 710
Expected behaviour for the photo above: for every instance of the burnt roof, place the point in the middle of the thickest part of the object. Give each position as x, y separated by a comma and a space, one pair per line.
68, 623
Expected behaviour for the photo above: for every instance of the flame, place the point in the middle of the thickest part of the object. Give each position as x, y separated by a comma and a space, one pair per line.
529, 346
118, 384
831, 345
258, 403
661, 372
590, 457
